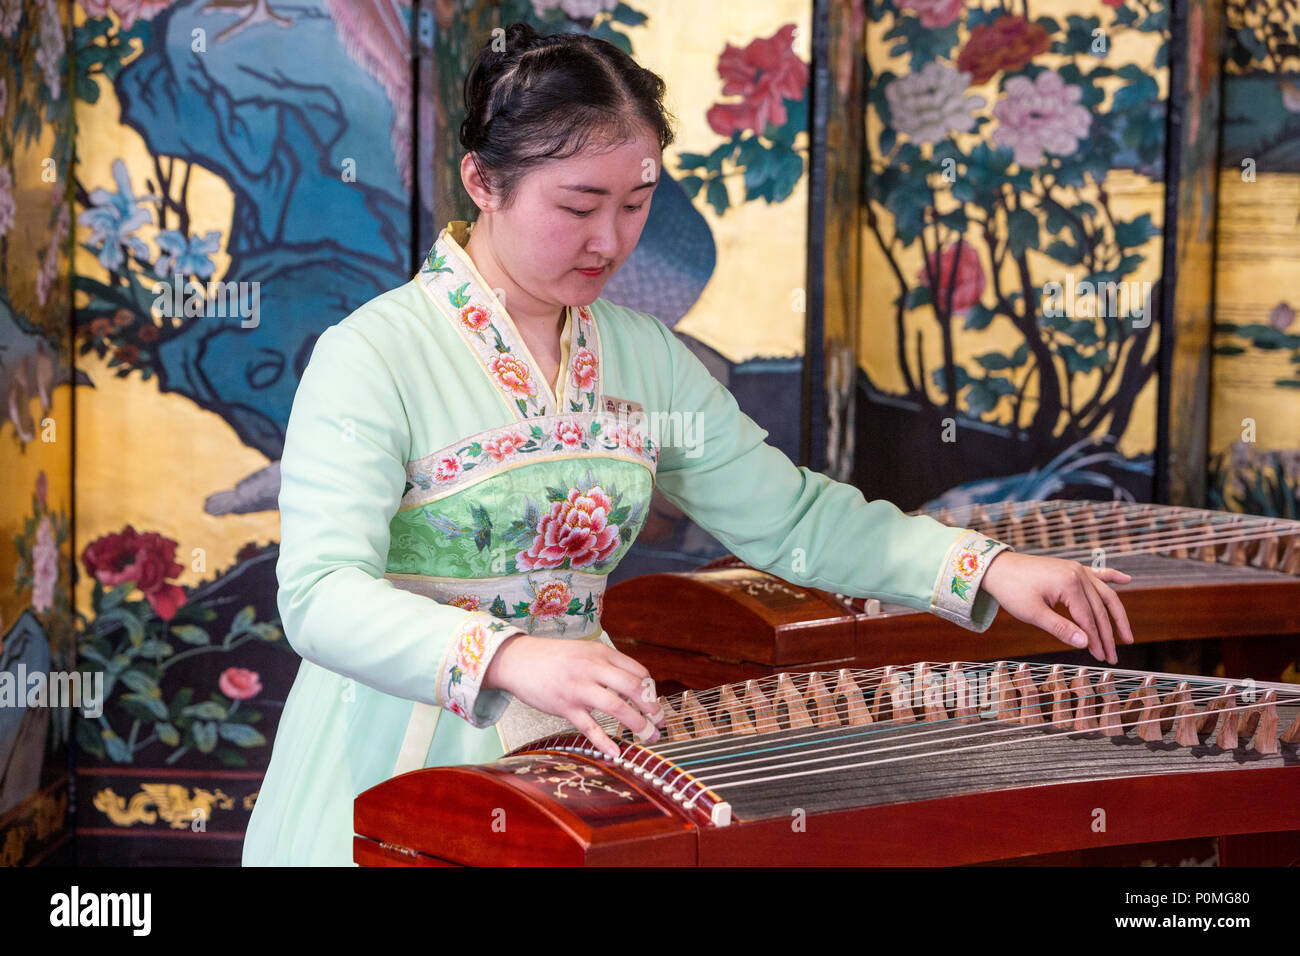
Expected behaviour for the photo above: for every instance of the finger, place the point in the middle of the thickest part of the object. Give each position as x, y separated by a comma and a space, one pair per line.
616, 657
586, 724
1081, 610
1089, 588
1061, 628
640, 691
610, 703
1116, 608
1112, 574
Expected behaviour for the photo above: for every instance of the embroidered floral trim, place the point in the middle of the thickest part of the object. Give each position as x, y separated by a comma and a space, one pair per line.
958, 582
519, 443
544, 603
481, 319
465, 661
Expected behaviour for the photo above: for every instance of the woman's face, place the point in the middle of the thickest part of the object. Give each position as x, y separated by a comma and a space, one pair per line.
584, 212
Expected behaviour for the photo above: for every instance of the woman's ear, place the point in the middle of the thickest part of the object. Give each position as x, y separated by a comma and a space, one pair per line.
471, 176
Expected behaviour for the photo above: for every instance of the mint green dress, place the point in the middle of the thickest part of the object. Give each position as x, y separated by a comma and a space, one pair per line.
437, 497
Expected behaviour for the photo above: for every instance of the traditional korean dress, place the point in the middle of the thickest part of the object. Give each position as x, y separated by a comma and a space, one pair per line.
437, 496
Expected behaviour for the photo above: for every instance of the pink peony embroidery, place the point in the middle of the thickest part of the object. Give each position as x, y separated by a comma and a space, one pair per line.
475, 318
576, 529
628, 437
552, 600
456, 709
470, 648
583, 374
466, 602
967, 564
569, 433
504, 446
446, 469
513, 375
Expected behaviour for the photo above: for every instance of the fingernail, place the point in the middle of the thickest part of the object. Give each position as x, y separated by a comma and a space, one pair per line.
1079, 639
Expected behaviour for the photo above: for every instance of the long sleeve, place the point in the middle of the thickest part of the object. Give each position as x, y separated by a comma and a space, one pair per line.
799, 524
342, 479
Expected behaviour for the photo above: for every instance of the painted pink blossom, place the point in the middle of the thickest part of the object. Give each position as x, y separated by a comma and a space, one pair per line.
11, 13
7, 206
1281, 316
45, 565
935, 13
765, 74
238, 683
576, 530
1040, 115
569, 434
968, 285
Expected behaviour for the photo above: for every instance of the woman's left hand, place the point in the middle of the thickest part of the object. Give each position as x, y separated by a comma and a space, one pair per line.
1029, 586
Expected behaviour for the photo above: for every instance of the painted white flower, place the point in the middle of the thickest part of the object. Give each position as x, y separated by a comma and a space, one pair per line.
45, 566
1039, 116
11, 11
49, 55
6, 200
930, 104
578, 9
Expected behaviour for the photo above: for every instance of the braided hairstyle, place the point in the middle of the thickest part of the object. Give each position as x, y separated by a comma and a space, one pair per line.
547, 97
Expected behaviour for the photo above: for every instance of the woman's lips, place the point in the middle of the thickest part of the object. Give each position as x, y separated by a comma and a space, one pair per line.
592, 273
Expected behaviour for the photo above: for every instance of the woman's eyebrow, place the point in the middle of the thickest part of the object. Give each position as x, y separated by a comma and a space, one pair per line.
605, 192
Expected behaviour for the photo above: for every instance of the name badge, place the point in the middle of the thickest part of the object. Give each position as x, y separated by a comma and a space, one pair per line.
624, 409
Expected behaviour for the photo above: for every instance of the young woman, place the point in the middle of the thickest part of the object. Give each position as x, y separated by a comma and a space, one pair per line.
455, 491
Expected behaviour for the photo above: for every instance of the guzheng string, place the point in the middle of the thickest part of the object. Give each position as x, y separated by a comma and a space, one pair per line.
735, 760
1047, 527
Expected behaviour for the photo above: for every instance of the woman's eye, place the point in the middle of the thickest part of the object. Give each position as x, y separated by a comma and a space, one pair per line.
580, 212
633, 208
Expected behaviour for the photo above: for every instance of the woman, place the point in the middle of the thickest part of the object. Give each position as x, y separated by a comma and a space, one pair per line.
455, 489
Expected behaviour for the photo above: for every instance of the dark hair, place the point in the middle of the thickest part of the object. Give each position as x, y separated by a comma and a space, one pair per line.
547, 97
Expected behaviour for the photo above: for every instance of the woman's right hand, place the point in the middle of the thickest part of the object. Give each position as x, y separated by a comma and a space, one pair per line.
570, 679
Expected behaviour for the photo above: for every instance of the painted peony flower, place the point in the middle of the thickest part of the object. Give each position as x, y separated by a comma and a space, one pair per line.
968, 285
45, 565
935, 13
1040, 115
765, 74
238, 683
1008, 43
930, 104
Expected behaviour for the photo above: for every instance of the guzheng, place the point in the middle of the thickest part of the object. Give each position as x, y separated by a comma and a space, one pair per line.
1197, 574
933, 764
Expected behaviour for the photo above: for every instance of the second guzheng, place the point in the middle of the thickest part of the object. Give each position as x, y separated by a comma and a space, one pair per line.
931, 764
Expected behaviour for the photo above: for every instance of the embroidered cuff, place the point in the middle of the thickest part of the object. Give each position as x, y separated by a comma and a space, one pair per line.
464, 662
957, 595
